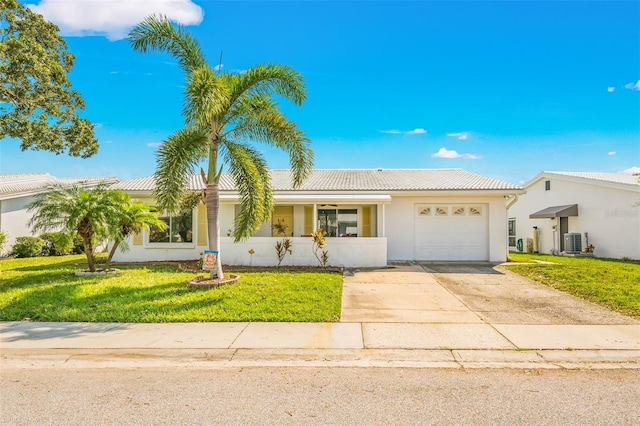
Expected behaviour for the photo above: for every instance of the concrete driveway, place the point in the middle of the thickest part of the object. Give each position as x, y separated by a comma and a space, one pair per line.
463, 294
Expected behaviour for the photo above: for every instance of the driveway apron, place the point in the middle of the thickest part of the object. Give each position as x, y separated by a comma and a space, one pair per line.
463, 293
402, 294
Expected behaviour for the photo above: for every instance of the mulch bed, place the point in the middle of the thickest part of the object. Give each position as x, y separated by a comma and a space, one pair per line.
205, 282
194, 266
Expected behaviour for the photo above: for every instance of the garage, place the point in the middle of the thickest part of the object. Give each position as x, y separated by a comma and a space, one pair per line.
451, 232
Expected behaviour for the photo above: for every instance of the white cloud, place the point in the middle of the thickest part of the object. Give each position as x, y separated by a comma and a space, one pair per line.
632, 85
632, 170
451, 154
113, 18
416, 131
154, 144
611, 153
610, 89
218, 67
461, 136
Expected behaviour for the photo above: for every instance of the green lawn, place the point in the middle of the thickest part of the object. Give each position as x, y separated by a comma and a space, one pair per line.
608, 282
45, 289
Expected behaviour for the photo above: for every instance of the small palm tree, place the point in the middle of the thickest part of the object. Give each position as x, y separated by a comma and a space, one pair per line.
225, 114
75, 210
133, 217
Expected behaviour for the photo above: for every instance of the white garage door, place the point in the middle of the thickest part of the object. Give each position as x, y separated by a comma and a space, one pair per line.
451, 232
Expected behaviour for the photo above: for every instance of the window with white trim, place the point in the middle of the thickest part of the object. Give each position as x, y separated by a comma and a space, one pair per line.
338, 222
179, 229
512, 232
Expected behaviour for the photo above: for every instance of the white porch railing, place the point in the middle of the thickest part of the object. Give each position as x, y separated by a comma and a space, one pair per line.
346, 252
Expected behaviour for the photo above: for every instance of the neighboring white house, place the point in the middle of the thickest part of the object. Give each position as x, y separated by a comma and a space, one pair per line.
18, 190
603, 208
370, 217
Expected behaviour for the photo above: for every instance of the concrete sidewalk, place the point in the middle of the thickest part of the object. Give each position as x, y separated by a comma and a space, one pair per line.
213, 345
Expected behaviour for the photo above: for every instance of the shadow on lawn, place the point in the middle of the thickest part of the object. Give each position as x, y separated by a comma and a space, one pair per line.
111, 304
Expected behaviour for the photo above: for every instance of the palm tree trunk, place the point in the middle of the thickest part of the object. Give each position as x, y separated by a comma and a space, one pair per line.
88, 251
111, 253
212, 199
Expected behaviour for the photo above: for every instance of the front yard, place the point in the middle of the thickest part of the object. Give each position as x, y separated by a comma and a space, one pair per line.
44, 289
612, 283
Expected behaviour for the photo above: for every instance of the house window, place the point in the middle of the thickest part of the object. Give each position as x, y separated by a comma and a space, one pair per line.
442, 211
547, 185
424, 211
512, 232
338, 222
475, 211
179, 229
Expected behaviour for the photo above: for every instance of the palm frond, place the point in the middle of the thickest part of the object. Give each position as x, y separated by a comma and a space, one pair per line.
206, 96
251, 175
268, 79
177, 157
156, 32
262, 121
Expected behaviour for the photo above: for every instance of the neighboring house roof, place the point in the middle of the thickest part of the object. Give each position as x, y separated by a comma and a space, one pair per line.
355, 180
19, 185
617, 179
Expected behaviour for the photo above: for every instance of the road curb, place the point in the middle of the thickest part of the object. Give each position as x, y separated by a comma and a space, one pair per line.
364, 358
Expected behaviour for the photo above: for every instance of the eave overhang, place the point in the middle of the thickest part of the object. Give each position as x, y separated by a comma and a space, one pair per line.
556, 211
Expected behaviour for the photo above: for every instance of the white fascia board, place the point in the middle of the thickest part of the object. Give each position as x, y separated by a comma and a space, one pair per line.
340, 198
315, 197
460, 193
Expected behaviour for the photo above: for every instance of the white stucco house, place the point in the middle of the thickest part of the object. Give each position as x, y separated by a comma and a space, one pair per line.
602, 209
370, 217
17, 192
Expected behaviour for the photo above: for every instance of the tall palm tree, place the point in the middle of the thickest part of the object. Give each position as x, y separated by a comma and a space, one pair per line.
132, 217
75, 210
225, 113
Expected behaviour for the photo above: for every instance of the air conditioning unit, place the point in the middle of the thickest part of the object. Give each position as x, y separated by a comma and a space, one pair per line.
572, 242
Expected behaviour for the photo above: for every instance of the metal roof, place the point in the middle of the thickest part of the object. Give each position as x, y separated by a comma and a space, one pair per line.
18, 184
354, 180
623, 178
556, 211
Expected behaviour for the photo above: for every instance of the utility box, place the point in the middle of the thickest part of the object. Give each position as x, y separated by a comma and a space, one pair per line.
572, 242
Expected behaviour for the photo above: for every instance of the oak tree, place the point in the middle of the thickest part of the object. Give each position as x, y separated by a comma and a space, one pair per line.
37, 103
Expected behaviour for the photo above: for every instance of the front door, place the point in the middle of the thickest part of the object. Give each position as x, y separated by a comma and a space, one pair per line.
282, 221
564, 228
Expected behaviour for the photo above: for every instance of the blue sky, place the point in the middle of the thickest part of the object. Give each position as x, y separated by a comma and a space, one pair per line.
505, 89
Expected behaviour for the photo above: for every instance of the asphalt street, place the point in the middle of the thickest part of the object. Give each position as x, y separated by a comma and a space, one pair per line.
318, 396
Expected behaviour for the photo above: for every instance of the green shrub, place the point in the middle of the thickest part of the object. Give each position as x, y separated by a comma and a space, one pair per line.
56, 244
78, 245
27, 247
3, 240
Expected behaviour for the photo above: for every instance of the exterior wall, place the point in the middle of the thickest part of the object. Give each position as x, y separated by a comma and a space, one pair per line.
610, 215
14, 218
392, 237
399, 224
346, 252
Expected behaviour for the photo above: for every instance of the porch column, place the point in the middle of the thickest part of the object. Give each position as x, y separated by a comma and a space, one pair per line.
315, 217
381, 223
